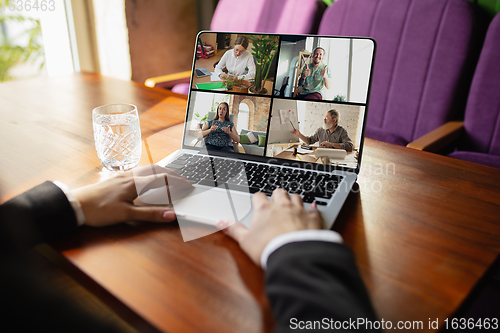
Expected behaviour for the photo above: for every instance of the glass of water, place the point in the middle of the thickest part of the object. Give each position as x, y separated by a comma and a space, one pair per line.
117, 136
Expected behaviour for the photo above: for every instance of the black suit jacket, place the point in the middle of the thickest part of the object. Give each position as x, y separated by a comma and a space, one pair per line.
316, 284
30, 301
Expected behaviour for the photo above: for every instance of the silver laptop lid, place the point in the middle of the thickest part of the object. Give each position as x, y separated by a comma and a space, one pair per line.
274, 87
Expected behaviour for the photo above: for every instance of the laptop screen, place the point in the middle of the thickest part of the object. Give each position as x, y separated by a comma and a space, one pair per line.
280, 97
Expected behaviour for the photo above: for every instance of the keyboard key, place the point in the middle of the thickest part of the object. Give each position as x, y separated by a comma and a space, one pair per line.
308, 199
174, 167
208, 182
184, 157
178, 162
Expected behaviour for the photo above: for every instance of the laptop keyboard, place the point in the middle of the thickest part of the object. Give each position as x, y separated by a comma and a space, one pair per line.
199, 72
255, 177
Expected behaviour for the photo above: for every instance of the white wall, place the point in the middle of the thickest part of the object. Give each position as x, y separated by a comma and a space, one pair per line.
361, 65
337, 59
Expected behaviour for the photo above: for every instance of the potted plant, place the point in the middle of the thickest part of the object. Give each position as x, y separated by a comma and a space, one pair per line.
200, 119
263, 49
235, 84
339, 98
12, 54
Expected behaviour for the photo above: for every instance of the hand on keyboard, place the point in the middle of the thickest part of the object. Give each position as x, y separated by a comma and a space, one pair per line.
112, 201
270, 219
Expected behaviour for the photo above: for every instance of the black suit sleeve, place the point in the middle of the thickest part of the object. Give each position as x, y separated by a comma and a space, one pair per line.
32, 302
39, 215
310, 281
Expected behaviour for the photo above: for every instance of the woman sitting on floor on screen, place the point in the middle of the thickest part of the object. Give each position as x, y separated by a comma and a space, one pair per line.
239, 62
220, 130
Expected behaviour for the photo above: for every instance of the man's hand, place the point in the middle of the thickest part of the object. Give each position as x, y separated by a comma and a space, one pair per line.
223, 76
330, 145
326, 144
306, 73
297, 133
323, 71
226, 129
112, 201
271, 219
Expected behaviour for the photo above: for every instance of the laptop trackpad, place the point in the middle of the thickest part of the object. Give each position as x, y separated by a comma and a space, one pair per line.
208, 206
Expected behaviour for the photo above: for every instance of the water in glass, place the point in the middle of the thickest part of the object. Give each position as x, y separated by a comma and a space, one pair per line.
117, 136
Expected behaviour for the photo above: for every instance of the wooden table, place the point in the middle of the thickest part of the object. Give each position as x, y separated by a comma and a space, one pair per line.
424, 228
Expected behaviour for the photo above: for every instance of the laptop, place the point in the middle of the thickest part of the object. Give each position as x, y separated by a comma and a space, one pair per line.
201, 72
267, 155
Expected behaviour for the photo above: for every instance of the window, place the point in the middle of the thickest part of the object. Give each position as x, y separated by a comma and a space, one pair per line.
243, 116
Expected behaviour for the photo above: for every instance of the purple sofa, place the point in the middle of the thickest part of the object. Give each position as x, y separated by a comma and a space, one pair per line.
481, 141
424, 60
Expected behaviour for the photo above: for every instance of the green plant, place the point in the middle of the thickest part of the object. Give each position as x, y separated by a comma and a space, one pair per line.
12, 54
200, 119
264, 49
339, 98
233, 81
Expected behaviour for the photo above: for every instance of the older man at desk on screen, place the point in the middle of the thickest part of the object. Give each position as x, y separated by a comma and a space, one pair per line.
332, 135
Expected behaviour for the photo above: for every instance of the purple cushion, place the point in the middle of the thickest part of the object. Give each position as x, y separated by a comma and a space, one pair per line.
381, 135
182, 88
236, 15
482, 116
484, 159
421, 61
300, 16
272, 16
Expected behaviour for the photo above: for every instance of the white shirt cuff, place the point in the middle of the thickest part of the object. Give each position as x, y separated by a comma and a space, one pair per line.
77, 207
298, 236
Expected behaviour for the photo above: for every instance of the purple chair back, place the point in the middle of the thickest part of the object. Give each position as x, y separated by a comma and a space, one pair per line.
421, 69
268, 16
300, 17
234, 15
482, 115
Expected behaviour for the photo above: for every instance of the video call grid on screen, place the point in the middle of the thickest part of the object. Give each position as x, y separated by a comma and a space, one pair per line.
270, 115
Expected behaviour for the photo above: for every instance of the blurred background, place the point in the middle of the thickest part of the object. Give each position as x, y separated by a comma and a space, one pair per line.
125, 39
